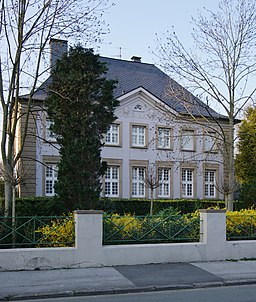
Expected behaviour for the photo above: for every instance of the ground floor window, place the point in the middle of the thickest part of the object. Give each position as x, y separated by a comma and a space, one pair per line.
51, 176
209, 184
138, 185
187, 182
112, 181
164, 182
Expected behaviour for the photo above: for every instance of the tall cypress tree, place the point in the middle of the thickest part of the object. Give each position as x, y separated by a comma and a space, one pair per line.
81, 106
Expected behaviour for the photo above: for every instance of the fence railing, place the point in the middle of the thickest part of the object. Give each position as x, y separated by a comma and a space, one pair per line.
241, 227
37, 231
150, 229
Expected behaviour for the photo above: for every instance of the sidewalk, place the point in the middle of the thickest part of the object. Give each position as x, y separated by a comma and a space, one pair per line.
122, 279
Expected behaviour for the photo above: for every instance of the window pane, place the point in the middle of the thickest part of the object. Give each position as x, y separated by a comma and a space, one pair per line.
163, 138
187, 182
138, 186
188, 140
209, 187
209, 141
112, 181
51, 175
112, 136
164, 182
138, 136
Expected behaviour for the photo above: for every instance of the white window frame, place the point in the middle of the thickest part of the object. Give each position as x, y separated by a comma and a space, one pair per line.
164, 178
210, 183
111, 181
138, 184
113, 135
188, 140
51, 178
138, 136
50, 136
163, 138
187, 182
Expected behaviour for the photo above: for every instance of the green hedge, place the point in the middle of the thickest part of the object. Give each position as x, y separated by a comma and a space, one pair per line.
39, 206
48, 206
141, 207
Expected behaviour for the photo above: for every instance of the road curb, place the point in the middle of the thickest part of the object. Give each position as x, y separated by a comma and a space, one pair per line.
129, 290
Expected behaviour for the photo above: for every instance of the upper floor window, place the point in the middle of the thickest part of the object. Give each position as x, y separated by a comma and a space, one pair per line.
138, 185
164, 138
112, 181
49, 134
188, 140
210, 142
112, 136
187, 183
209, 184
138, 136
51, 176
164, 182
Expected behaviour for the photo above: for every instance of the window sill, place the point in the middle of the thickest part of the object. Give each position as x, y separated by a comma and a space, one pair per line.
112, 145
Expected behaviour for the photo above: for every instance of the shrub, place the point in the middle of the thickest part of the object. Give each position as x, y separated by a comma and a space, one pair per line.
59, 233
241, 224
39, 206
141, 207
168, 226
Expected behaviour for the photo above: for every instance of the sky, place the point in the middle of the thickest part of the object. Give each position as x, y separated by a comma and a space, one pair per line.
133, 25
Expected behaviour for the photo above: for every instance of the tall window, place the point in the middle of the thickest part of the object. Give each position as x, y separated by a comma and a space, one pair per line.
188, 140
138, 185
209, 184
49, 134
187, 183
51, 176
138, 136
164, 181
210, 142
164, 138
112, 181
112, 136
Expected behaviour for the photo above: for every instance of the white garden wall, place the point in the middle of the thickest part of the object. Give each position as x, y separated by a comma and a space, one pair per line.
89, 250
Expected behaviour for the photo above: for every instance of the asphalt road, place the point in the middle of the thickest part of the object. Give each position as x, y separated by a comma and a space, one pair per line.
221, 294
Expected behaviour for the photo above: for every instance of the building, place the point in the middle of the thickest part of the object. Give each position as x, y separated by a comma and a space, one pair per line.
159, 124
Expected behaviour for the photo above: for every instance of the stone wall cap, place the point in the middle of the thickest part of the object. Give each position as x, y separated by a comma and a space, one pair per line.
88, 212
212, 211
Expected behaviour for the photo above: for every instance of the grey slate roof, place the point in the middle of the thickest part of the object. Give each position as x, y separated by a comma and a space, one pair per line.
132, 75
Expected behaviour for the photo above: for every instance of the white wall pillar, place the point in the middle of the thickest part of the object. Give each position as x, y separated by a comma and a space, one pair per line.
213, 233
88, 228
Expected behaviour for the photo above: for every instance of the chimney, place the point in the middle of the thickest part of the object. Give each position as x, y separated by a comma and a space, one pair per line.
136, 59
58, 48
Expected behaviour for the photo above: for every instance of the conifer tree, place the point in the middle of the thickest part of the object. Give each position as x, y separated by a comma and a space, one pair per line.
81, 106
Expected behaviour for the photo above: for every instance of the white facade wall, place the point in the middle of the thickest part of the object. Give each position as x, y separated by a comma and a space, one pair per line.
153, 114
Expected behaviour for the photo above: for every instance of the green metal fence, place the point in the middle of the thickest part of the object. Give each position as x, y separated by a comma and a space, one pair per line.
38, 231
150, 229
241, 227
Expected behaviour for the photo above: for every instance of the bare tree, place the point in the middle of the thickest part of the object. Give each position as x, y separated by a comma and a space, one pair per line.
25, 29
152, 181
220, 69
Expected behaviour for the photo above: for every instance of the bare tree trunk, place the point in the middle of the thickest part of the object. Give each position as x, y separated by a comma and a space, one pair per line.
151, 201
8, 197
13, 217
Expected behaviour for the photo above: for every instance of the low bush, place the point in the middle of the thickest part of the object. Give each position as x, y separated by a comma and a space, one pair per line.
142, 207
39, 206
59, 233
241, 224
